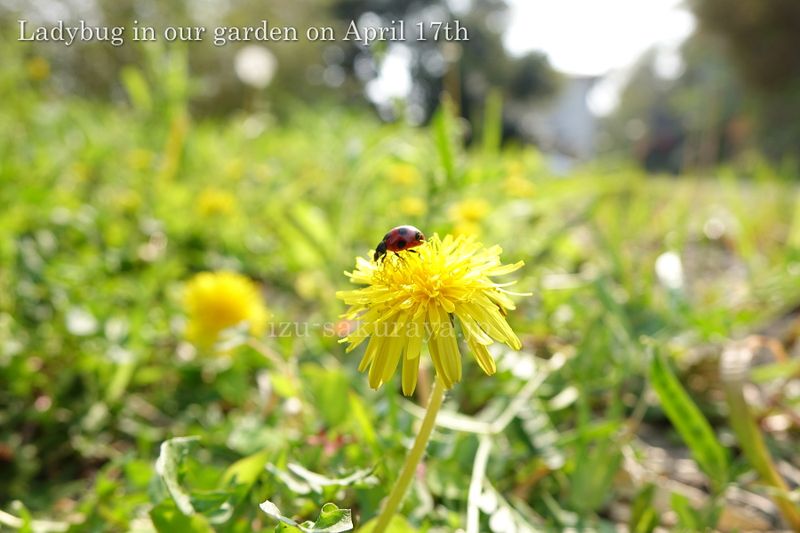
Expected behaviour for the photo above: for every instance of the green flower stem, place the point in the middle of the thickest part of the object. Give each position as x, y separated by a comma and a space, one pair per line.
412, 459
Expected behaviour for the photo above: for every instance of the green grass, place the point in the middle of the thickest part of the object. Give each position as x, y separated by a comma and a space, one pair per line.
101, 222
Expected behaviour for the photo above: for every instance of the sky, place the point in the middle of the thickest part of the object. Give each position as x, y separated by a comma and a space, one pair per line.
601, 38
580, 37
595, 36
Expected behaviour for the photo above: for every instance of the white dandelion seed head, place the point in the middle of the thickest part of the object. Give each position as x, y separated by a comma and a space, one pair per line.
255, 66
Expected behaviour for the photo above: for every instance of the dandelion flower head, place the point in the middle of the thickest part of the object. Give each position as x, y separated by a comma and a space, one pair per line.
212, 202
421, 297
215, 301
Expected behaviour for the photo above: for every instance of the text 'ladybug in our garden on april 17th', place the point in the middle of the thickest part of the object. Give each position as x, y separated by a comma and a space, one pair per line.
398, 239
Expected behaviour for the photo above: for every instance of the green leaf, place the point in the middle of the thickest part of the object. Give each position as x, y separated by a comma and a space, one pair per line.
397, 524
168, 468
773, 371
217, 506
592, 479
689, 421
300, 480
331, 519
444, 132
688, 518
136, 86
318, 481
167, 518
245, 471
362, 419
329, 389
493, 122
734, 367
644, 517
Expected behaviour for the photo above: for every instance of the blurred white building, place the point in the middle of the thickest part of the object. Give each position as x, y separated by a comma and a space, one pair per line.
563, 126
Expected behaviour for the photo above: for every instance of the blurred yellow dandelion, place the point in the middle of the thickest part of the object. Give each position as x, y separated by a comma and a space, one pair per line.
38, 68
412, 206
213, 202
469, 210
516, 185
404, 174
215, 301
466, 229
414, 299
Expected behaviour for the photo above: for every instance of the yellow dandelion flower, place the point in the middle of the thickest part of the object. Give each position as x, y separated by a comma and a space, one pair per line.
470, 210
518, 186
412, 206
415, 298
466, 229
213, 202
215, 301
38, 68
404, 174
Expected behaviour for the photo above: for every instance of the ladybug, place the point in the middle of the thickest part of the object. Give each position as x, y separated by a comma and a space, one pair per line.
398, 239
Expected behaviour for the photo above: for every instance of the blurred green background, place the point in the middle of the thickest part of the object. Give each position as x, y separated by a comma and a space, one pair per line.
658, 383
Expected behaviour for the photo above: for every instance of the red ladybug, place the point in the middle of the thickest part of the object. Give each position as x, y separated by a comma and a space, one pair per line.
398, 239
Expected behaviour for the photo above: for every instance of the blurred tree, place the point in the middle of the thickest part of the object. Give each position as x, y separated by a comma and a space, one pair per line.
763, 40
693, 119
305, 71
466, 69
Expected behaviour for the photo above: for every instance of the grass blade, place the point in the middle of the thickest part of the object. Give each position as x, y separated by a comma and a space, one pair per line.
734, 366
689, 421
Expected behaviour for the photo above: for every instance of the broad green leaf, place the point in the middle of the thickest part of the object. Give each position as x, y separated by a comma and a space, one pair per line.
331, 519
245, 471
359, 413
294, 484
329, 389
168, 467
303, 481
318, 481
167, 519
689, 421
217, 506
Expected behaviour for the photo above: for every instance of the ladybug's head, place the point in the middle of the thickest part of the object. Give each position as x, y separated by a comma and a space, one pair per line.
419, 237
380, 251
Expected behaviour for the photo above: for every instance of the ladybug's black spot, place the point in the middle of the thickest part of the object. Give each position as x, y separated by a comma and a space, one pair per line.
401, 243
402, 231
